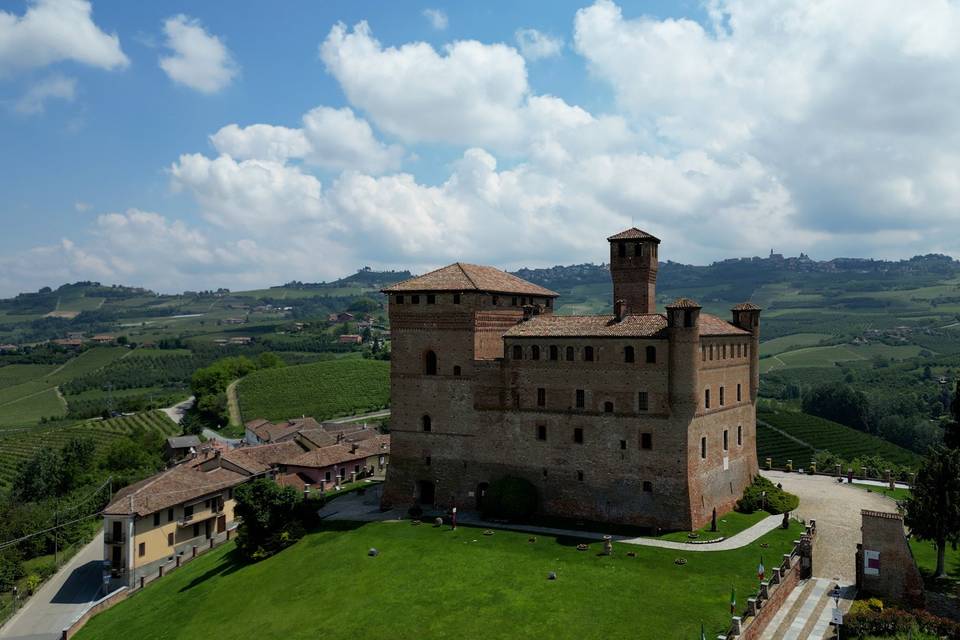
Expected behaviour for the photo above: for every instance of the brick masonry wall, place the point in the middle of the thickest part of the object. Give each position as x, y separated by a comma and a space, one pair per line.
899, 579
756, 627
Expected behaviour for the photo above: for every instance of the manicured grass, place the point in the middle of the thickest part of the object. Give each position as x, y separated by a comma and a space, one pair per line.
436, 583
925, 553
727, 525
897, 494
321, 389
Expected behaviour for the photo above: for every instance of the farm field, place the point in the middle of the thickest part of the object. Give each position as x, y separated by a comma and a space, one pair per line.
830, 436
15, 374
325, 389
773, 444
30, 408
791, 342
829, 356
425, 579
16, 445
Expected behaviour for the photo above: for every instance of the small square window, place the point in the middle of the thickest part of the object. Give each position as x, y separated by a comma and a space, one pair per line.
578, 435
588, 354
431, 298
581, 398
541, 397
541, 432
142, 549
415, 299
647, 486
608, 407
169, 515
399, 298
643, 401
427, 461
544, 472
156, 519
646, 441
170, 539
456, 298
580, 476
513, 301
623, 445
496, 300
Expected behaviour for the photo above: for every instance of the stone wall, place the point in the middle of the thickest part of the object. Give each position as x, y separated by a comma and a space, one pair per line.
886, 568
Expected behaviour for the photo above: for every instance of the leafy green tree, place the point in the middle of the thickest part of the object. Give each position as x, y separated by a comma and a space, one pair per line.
11, 568
269, 360
272, 517
933, 508
839, 403
951, 434
78, 459
39, 477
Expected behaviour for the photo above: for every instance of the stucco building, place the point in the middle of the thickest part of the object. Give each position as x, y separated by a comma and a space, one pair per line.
638, 417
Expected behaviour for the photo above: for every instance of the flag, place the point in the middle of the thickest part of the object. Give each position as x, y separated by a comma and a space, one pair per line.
703, 634
733, 600
760, 570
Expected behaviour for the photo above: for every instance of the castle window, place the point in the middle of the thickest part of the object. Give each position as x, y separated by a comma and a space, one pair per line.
711, 352
588, 354
426, 423
535, 352
517, 352
456, 370
739, 435
549, 302
431, 298
647, 486
738, 393
541, 397
643, 401
496, 300
646, 441
578, 435
399, 298
637, 249
581, 398
688, 318
651, 355
628, 355
513, 301
721, 396
622, 249
456, 298
608, 407
706, 398
623, 445
703, 354
427, 461
554, 352
726, 444
570, 354
580, 476
703, 447
415, 299
541, 432
430, 363
544, 472
724, 352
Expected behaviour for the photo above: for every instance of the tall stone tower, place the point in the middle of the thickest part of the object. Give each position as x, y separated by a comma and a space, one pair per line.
633, 266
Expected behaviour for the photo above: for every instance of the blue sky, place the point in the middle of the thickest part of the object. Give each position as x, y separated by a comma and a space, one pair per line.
301, 140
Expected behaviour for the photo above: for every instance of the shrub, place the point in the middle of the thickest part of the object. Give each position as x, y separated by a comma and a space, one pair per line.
510, 498
33, 583
891, 622
776, 501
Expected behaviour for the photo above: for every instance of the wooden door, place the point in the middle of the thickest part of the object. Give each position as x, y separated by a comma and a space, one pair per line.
221, 524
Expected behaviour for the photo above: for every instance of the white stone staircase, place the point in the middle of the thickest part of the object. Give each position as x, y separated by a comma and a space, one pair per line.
806, 613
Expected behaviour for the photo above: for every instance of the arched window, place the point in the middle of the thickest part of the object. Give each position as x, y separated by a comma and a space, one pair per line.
426, 423
588, 354
651, 355
430, 363
554, 352
570, 353
456, 370
608, 407
535, 352
517, 352
628, 355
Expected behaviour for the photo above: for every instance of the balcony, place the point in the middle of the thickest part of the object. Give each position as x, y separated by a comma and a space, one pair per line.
109, 537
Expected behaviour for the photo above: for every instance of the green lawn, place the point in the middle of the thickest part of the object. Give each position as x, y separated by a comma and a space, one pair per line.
437, 583
925, 553
728, 525
322, 389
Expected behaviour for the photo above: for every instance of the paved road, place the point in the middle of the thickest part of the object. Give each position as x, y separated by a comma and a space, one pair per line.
836, 508
177, 411
210, 434
64, 597
366, 416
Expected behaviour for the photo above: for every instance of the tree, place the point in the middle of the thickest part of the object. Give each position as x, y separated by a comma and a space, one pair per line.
951, 434
933, 509
839, 403
39, 477
77, 455
272, 517
269, 360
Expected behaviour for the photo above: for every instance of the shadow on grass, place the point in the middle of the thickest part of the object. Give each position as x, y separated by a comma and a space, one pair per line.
228, 564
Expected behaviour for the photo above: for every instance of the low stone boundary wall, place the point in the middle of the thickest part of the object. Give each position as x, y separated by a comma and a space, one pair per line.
123, 593
773, 592
863, 473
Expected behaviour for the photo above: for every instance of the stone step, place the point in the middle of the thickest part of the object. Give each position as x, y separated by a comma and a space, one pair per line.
809, 610
770, 633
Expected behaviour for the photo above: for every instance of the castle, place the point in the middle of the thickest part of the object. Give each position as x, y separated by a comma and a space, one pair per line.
638, 417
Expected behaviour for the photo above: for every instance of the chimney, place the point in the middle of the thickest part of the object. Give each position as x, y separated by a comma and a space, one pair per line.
620, 309
353, 448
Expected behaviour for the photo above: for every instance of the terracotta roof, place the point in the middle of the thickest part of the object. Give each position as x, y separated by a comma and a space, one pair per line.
317, 438
745, 306
633, 234
683, 303
269, 432
341, 453
647, 326
183, 442
260, 458
461, 276
653, 325
174, 486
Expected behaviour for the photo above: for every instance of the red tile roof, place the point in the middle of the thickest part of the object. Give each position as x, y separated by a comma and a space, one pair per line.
653, 325
683, 303
633, 234
461, 276
745, 306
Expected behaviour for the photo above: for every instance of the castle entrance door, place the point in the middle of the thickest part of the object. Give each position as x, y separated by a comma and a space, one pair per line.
481, 494
426, 491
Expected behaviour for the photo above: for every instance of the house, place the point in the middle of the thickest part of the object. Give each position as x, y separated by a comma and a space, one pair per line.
350, 338
262, 431
181, 446
241, 340
234, 321
5, 348
335, 318
72, 343
104, 338
149, 524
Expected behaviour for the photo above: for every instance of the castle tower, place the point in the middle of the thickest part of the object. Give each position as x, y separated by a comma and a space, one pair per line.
683, 331
746, 315
633, 267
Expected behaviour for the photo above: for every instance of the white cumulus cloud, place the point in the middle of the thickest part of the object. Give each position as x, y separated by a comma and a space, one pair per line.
535, 45
199, 60
55, 87
55, 30
437, 18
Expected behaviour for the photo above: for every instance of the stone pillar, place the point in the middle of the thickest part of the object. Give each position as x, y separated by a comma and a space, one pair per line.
786, 563
789, 465
775, 575
160, 571
863, 472
736, 626
607, 545
765, 589
769, 464
752, 607
323, 486
813, 467
353, 476
836, 469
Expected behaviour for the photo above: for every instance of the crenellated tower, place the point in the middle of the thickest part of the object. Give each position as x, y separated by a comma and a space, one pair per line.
633, 267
